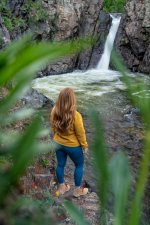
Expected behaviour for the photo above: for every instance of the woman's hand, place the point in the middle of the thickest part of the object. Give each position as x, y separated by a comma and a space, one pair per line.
85, 150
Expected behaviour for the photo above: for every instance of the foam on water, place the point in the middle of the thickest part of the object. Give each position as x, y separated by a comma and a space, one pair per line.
93, 82
91, 87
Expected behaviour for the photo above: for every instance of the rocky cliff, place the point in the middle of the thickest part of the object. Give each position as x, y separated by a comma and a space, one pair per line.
133, 39
56, 21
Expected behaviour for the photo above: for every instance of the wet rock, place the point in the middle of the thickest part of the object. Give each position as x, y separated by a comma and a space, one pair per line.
136, 111
130, 115
78, 19
36, 100
90, 58
61, 66
133, 39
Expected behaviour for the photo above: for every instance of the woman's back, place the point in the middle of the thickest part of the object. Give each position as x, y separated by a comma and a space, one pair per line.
75, 135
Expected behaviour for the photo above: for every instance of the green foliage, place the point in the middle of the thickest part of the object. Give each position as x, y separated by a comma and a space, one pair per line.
75, 213
8, 23
3, 8
33, 10
101, 164
144, 105
26, 211
44, 162
37, 12
120, 181
19, 22
6, 15
114, 6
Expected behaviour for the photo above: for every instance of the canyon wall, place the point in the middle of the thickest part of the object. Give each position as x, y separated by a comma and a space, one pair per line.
133, 39
57, 21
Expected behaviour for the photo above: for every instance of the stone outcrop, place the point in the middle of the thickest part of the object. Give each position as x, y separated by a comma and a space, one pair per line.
61, 20
133, 39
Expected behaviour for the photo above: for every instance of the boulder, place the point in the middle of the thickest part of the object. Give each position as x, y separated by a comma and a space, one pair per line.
36, 100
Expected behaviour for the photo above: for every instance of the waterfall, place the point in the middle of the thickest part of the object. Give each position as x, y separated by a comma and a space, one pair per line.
105, 59
91, 86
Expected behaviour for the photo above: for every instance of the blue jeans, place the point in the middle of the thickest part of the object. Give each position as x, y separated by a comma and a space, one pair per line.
76, 155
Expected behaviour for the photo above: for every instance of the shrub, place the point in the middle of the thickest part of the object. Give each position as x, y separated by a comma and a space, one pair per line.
8, 23
114, 6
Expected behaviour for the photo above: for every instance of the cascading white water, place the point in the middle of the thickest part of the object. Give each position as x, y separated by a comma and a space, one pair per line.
105, 59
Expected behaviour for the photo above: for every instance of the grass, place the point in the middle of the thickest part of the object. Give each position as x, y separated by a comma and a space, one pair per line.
114, 6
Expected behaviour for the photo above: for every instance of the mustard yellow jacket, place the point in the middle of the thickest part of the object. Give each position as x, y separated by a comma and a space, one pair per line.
76, 135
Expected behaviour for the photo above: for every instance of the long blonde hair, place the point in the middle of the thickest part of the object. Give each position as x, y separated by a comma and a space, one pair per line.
64, 110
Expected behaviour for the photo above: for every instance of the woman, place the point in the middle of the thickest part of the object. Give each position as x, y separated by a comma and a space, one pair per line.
69, 134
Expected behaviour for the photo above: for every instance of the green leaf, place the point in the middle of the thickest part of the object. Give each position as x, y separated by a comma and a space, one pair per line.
23, 151
136, 208
8, 138
43, 132
134, 86
45, 147
75, 213
100, 158
50, 200
13, 49
15, 116
15, 94
144, 104
120, 181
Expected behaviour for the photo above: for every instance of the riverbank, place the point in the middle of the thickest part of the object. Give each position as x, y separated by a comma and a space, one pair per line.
123, 131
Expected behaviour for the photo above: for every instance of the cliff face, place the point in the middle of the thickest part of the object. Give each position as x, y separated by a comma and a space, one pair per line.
56, 21
133, 39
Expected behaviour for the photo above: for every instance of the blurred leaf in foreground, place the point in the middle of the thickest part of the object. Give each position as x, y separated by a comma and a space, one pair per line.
120, 183
101, 162
75, 213
139, 86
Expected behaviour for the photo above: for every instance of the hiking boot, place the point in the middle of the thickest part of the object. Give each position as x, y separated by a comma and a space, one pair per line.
63, 188
80, 191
